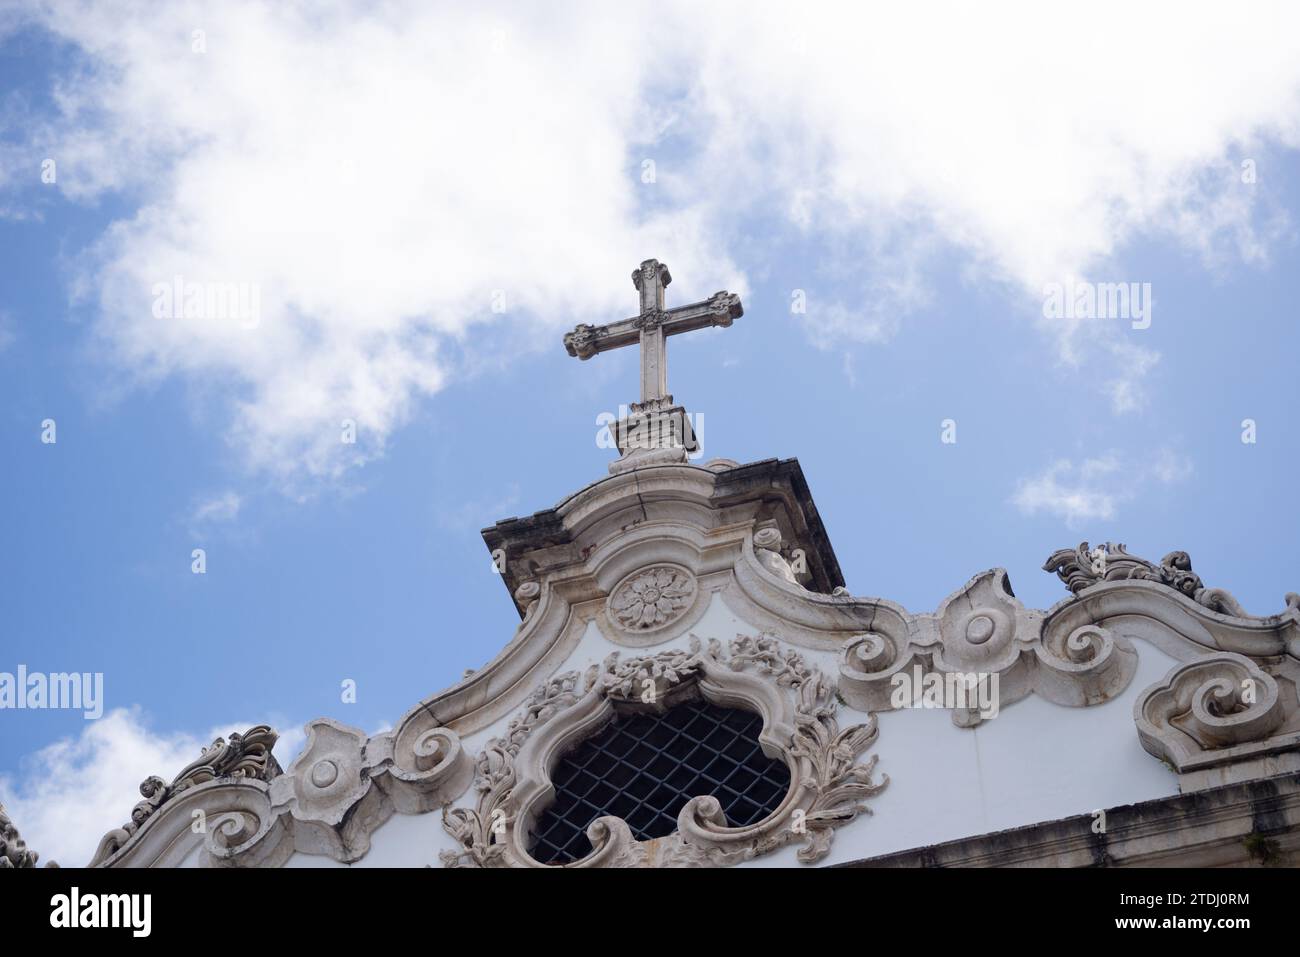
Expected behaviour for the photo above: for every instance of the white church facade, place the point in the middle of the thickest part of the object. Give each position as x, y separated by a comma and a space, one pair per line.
691, 683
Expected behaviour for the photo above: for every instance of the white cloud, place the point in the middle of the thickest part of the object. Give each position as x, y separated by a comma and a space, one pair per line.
1127, 372
1095, 490
74, 791
378, 172
221, 508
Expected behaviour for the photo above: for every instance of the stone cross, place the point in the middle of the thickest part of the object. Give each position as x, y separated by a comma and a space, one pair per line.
651, 328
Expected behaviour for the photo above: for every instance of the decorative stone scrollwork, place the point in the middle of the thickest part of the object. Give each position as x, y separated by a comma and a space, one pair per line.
14, 854
1083, 567
581, 342
649, 321
341, 788
527, 595
648, 270
1212, 710
725, 307
333, 800
983, 638
1088, 665
244, 756
828, 785
652, 599
345, 785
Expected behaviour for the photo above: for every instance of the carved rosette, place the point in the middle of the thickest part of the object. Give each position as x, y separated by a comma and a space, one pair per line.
651, 599
828, 785
1213, 710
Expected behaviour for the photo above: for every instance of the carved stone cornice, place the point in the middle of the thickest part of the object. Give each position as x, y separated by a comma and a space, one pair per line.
979, 632
828, 786
1223, 826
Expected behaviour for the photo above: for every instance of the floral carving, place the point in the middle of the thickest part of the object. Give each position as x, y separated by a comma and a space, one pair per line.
495, 777
652, 598
559, 692
628, 678
1082, 567
14, 854
787, 667
828, 785
839, 783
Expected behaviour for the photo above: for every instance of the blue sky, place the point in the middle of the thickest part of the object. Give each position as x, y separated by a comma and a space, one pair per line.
380, 176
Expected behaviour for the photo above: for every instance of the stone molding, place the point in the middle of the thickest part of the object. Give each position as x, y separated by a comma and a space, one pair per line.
340, 788
828, 786
1250, 823
984, 630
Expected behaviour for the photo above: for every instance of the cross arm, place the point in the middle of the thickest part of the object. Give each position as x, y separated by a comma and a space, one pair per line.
586, 341
720, 309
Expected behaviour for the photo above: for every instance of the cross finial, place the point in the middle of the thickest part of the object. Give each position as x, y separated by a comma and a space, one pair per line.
651, 327
657, 432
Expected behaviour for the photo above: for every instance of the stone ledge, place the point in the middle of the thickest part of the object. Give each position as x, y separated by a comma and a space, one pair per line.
1249, 824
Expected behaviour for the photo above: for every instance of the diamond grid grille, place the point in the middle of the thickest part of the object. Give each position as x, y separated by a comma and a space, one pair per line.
645, 767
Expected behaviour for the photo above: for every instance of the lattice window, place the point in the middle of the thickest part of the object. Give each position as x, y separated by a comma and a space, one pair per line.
643, 768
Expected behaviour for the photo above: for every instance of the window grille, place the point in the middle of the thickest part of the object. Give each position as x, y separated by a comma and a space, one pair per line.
643, 768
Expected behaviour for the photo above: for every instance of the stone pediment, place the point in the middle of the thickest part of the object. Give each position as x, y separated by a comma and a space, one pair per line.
640, 557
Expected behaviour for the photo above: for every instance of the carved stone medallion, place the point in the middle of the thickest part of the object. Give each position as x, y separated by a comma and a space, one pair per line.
651, 599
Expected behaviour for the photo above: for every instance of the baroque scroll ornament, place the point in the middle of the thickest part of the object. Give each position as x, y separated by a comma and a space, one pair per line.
1083, 567
246, 755
828, 785
14, 853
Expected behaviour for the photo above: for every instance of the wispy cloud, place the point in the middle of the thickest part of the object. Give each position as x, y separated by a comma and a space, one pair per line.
1097, 487
222, 508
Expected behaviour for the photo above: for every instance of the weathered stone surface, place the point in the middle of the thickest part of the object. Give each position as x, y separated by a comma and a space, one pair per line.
1250, 824
14, 853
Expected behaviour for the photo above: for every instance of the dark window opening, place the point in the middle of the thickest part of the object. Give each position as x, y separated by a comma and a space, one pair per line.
645, 767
